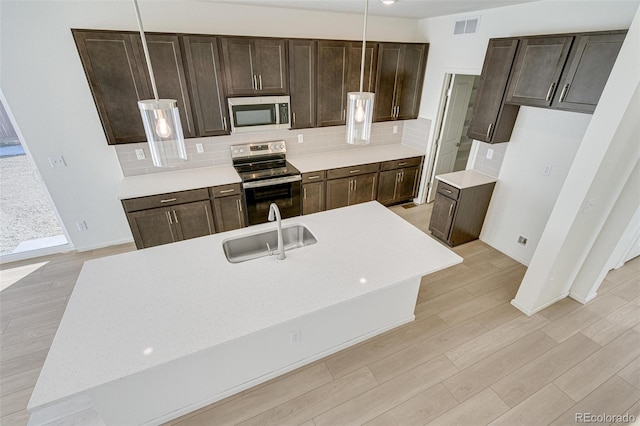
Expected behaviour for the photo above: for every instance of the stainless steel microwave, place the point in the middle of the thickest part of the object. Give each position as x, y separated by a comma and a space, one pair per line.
251, 114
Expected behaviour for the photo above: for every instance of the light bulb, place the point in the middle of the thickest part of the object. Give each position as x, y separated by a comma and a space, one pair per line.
359, 113
163, 129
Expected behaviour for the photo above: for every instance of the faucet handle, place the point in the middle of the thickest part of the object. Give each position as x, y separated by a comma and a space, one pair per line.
269, 252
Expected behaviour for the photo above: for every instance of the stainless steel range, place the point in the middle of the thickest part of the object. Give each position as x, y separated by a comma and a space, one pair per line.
267, 177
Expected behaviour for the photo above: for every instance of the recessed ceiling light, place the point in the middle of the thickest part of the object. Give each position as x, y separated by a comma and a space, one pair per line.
388, 1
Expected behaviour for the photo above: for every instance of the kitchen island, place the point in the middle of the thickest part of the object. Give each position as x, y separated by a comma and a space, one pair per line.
150, 335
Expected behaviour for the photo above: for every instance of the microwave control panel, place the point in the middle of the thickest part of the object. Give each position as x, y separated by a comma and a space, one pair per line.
284, 113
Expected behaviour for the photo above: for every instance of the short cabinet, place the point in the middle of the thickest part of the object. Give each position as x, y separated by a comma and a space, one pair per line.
492, 119
588, 67
458, 213
207, 85
351, 185
401, 68
255, 66
398, 180
338, 74
313, 192
302, 82
183, 215
228, 207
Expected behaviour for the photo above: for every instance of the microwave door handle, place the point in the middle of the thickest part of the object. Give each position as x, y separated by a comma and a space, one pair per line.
277, 108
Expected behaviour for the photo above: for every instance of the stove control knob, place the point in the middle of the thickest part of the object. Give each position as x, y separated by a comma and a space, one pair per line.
235, 151
241, 150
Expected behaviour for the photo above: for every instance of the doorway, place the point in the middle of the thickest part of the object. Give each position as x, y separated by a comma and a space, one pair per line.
29, 224
452, 144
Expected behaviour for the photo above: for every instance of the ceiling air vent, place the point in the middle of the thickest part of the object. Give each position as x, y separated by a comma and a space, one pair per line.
467, 26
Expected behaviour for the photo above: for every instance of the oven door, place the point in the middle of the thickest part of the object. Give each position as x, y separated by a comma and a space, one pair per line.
259, 195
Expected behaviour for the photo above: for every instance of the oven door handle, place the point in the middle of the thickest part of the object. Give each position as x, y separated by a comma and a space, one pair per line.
271, 182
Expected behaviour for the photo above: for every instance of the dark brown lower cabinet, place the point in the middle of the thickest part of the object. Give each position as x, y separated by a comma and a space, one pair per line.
312, 197
228, 207
399, 180
458, 213
352, 190
169, 224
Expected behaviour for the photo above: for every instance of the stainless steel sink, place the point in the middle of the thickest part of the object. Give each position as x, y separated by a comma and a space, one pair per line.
253, 246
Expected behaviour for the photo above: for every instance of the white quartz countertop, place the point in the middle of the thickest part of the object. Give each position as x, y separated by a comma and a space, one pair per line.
352, 157
182, 180
141, 309
466, 179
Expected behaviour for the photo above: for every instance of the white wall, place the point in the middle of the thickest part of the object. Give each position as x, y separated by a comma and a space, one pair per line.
47, 92
523, 198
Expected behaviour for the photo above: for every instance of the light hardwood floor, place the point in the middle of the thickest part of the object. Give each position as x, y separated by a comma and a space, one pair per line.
470, 358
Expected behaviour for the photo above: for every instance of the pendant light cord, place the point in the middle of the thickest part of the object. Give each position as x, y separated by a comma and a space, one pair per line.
364, 43
146, 51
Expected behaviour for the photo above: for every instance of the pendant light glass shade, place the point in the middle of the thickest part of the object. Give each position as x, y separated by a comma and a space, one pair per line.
162, 126
359, 117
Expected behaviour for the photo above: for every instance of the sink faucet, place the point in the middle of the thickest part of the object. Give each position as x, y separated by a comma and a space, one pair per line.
274, 214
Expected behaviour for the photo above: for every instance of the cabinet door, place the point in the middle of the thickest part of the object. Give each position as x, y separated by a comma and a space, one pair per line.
302, 82
207, 85
332, 80
442, 217
153, 227
408, 183
412, 78
364, 188
388, 186
537, 69
587, 71
389, 59
240, 72
116, 82
338, 192
492, 121
170, 77
193, 219
270, 57
354, 60
228, 213
312, 197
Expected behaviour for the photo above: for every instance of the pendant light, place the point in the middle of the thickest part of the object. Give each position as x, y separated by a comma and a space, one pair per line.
360, 104
161, 119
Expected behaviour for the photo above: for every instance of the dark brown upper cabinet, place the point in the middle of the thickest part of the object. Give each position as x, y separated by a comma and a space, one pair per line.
400, 77
118, 77
587, 71
302, 82
207, 85
338, 74
255, 66
492, 119
537, 69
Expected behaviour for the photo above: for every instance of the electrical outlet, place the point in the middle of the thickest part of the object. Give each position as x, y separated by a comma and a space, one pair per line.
57, 161
395, 129
295, 336
140, 154
81, 225
522, 240
546, 170
300, 138
199, 148
489, 153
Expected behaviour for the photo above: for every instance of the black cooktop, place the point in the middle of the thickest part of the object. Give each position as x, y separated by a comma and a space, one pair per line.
259, 170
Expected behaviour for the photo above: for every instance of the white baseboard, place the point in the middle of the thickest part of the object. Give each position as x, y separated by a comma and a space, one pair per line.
581, 299
514, 256
537, 309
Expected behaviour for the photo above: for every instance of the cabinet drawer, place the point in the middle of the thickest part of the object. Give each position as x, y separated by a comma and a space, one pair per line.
161, 200
352, 171
397, 164
225, 190
314, 176
448, 190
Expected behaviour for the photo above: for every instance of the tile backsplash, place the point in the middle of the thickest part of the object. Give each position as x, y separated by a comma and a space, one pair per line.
315, 141
490, 166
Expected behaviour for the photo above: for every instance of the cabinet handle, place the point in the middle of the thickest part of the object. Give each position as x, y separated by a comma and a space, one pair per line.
355, 185
168, 215
255, 82
402, 176
168, 200
260, 78
447, 191
398, 111
354, 171
225, 191
313, 177
239, 205
304, 192
550, 92
450, 209
402, 164
293, 116
563, 95
489, 130
224, 123
175, 216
